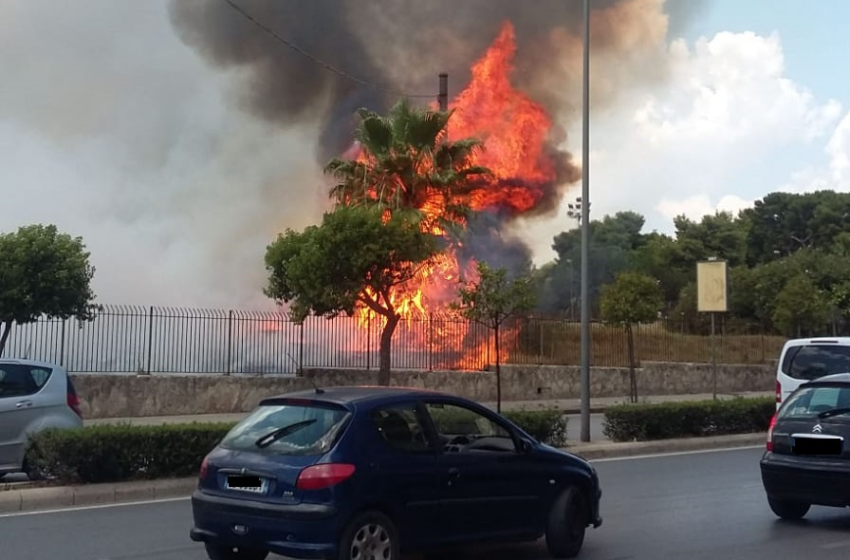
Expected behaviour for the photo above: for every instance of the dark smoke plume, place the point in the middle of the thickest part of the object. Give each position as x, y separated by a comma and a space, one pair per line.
403, 45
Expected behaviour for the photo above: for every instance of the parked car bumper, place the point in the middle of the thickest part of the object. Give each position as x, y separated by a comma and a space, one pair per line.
297, 531
802, 479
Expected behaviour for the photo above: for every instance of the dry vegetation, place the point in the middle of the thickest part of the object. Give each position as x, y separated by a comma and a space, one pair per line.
560, 343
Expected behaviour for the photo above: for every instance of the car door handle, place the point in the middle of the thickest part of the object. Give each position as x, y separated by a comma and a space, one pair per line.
453, 475
23, 404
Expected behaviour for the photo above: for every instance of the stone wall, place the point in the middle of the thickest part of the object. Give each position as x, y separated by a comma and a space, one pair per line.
117, 396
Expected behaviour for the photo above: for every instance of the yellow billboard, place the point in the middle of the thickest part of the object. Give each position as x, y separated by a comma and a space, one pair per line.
712, 286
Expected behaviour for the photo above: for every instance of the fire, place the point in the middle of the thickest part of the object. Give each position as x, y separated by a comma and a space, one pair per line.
514, 130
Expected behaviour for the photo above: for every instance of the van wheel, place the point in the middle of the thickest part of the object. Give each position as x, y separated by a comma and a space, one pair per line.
567, 523
788, 509
223, 552
371, 535
33, 473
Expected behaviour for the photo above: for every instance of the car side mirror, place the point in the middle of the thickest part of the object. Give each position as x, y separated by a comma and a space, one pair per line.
525, 446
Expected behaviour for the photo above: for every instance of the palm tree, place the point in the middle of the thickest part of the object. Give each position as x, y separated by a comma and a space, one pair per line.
408, 163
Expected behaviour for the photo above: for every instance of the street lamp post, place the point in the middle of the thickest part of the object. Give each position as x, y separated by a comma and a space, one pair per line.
585, 233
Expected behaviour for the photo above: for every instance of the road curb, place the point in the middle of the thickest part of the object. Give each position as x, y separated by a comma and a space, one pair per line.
17, 499
610, 450
54, 497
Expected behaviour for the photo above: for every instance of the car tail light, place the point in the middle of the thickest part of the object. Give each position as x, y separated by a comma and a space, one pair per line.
778, 392
74, 404
769, 443
322, 476
205, 469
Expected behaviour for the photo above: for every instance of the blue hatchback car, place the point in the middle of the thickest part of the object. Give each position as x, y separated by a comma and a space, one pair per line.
354, 473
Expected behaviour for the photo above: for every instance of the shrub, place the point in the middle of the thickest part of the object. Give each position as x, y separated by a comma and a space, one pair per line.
115, 453
547, 426
642, 422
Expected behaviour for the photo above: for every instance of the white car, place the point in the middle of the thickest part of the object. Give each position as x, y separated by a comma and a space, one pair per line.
805, 359
33, 396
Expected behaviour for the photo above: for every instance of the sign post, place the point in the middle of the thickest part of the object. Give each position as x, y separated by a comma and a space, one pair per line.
712, 298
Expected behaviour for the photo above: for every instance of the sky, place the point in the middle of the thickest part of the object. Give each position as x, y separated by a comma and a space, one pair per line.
136, 144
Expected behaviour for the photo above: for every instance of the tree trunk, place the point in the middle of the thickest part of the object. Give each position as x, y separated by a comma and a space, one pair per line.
633, 393
498, 372
385, 350
7, 328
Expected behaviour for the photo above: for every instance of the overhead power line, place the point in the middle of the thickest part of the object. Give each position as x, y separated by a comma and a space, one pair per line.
322, 63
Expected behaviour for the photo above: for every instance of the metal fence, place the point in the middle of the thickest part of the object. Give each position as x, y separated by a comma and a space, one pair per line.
127, 339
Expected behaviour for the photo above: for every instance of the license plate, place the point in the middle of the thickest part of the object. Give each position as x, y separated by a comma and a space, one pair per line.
803, 445
246, 483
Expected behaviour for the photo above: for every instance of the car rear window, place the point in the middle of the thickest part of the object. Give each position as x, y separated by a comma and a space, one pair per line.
811, 401
21, 380
314, 429
816, 360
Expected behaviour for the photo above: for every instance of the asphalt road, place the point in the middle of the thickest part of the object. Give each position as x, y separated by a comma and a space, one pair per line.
697, 506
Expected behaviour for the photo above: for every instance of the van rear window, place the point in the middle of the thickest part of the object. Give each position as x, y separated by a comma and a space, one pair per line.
288, 429
816, 360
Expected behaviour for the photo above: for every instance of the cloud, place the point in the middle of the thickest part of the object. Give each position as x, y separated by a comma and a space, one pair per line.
723, 131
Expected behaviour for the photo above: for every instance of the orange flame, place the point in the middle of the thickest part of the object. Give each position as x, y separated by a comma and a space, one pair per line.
514, 130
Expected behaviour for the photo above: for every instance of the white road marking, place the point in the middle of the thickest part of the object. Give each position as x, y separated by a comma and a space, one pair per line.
675, 454
87, 508
837, 544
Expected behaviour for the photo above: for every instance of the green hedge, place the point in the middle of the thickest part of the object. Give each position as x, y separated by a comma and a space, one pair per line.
114, 453
643, 422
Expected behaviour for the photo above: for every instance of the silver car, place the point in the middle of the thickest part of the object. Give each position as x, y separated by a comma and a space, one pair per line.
33, 396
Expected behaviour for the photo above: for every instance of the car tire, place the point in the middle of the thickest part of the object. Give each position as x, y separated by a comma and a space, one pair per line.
33, 473
567, 524
224, 552
788, 509
369, 529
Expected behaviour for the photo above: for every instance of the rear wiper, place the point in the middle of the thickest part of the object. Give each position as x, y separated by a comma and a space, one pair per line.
275, 435
833, 412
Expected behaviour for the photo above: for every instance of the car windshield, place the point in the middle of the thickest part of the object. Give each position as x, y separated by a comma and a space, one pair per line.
822, 400
269, 429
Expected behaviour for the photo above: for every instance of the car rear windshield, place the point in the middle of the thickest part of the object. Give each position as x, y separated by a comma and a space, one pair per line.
288, 429
811, 401
816, 360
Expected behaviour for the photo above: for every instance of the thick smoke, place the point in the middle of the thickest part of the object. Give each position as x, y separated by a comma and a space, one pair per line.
402, 46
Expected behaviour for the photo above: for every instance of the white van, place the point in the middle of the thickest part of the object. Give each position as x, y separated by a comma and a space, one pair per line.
804, 359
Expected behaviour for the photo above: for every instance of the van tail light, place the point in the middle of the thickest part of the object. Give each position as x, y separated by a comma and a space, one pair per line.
769, 443
778, 392
323, 476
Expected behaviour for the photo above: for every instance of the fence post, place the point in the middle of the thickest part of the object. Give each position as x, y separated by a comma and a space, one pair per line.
430, 341
541, 330
301, 348
229, 342
150, 338
62, 344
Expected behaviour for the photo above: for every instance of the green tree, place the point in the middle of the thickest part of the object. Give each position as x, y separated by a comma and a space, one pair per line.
801, 307
357, 256
409, 163
43, 273
490, 301
633, 298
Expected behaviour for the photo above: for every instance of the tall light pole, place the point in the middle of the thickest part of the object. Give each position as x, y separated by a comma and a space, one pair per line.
585, 233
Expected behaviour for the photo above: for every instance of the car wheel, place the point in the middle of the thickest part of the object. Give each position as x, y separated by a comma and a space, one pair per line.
371, 535
33, 473
224, 552
567, 523
788, 509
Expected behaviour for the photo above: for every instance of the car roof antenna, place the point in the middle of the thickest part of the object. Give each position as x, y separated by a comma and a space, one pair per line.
319, 390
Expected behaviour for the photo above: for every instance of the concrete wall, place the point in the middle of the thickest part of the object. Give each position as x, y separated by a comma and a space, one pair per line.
117, 396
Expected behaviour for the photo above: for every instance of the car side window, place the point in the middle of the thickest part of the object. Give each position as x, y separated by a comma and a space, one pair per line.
462, 429
40, 376
16, 381
400, 428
